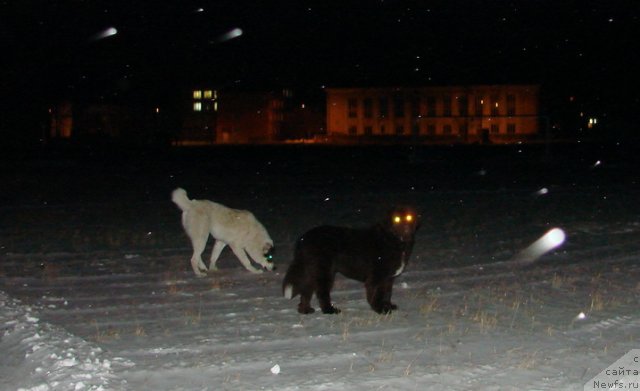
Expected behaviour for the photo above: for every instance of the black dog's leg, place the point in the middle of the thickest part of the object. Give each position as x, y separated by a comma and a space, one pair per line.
379, 295
324, 296
305, 303
386, 300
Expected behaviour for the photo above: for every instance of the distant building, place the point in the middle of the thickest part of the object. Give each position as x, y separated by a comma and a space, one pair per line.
250, 117
221, 116
95, 120
454, 114
465, 114
199, 121
61, 117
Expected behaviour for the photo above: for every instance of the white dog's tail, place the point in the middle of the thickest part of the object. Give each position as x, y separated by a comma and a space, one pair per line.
179, 196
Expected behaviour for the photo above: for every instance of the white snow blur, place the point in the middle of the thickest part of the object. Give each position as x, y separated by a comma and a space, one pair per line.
549, 241
231, 34
108, 32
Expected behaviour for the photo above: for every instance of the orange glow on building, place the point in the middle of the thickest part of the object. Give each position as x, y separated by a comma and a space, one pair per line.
464, 114
61, 121
219, 117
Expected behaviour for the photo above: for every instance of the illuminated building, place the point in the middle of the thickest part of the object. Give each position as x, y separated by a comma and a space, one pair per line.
463, 114
240, 117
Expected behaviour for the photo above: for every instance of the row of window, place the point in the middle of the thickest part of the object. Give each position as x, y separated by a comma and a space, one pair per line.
430, 106
428, 130
206, 106
205, 94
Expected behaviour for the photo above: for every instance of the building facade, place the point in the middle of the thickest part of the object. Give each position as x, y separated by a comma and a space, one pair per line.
464, 114
220, 117
91, 120
250, 117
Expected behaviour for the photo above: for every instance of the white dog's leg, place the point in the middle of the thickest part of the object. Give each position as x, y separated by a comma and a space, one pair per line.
215, 253
199, 243
195, 265
242, 256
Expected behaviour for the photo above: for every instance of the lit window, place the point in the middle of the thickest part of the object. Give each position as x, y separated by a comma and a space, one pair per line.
197, 94
479, 102
495, 106
207, 94
197, 106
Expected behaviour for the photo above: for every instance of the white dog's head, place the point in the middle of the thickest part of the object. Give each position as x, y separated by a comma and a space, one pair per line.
268, 251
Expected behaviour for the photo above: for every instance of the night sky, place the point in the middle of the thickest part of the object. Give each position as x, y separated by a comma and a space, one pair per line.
54, 50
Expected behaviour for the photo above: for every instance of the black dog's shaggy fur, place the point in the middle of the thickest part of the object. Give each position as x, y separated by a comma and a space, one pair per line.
375, 256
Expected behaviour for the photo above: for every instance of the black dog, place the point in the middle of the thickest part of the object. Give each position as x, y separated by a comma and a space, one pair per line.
375, 256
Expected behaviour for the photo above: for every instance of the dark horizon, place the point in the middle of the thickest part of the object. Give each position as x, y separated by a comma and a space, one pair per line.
579, 49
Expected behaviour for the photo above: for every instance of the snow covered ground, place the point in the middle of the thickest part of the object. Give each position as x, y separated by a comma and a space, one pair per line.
97, 293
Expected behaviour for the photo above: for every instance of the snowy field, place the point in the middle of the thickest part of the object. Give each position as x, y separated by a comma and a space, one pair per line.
97, 293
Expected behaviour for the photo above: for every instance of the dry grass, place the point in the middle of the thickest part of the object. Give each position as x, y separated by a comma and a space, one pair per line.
172, 288
485, 320
557, 281
347, 323
597, 302
429, 306
105, 335
139, 331
192, 317
529, 360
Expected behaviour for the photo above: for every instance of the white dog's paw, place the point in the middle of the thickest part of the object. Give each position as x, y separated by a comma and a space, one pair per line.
256, 271
200, 271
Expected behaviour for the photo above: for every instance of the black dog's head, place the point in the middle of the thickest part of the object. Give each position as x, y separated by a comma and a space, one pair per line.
403, 222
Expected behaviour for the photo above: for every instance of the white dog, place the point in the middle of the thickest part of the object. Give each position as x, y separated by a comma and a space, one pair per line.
237, 228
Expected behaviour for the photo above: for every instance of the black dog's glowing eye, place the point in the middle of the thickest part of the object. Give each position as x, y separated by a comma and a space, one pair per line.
397, 219
409, 218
